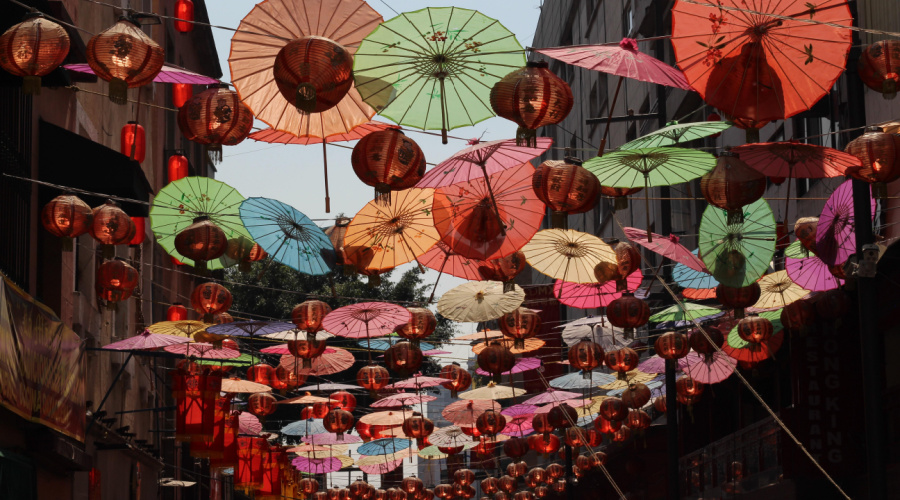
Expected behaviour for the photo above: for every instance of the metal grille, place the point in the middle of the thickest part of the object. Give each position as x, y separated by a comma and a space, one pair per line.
15, 196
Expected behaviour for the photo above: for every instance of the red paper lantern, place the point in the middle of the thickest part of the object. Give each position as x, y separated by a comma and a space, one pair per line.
731, 185
133, 142
307, 350
755, 329
308, 486
566, 188
215, 117
210, 299
537, 476
464, 476
628, 260
66, 216
176, 312
532, 97
388, 161
508, 483
470, 431
880, 155
32, 49
251, 452
343, 400
458, 379
261, 404
672, 345
412, 485
555, 471
201, 241
606, 426
622, 435
290, 378
544, 444
613, 409
417, 426
701, 344
636, 395
622, 361
359, 490
504, 269
688, 387
489, 485
404, 358
540, 422
659, 404
177, 167
523, 495
628, 312
521, 324
619, 195
124, 56
464, 490
184, 11
738, 298
140, 231
308, 315
373, 377
110, 225
490, 423
320, 409
879, 68
798, 315
195, 398
562, 416
517, 469
444, 491
586, 355
338, 421
313, 73
515, 448
181, 94
422, 324
496, 359
450, 450
638, 419
116, 280
261, 374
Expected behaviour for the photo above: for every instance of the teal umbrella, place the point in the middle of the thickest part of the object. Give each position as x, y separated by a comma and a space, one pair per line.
676, 133
738, 254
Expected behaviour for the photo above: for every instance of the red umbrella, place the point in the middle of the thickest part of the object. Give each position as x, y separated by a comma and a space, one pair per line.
402, 399
417, 382
669, 248
755, 354
444, 260
712, 369
474, 226
202, 350
365, 320
589, 296
482, 159
333, 360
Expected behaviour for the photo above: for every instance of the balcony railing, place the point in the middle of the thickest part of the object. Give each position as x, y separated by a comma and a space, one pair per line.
742, 462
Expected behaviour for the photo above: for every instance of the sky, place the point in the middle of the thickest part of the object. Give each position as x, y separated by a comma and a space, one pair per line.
294, 174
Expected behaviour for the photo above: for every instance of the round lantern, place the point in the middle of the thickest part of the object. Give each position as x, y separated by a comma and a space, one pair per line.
66, 216
531, 481
215, 117
184, 12
261, 374
373, 377
628, 312
532, 97
538, 475
464, 490
359, 489
422, 323
412, 485
880, 155
628, 260
210, 299
731, 185
110, 225
489, 485
464, 476
313, 73
586, 355
343, 400
307, 350
636, 395
672, 345
833, 304
290, 378
458, 379
544, 445
133, 142
124, 56
584, 462
470, 431
417, 426
524, 495
388, 161
515, 447
32, 49
638, 419
177, 167
562, 416
755, 330
738, 298
222, 318
426, 494
521, 324
504, 269
541, 491
659, 404
450, 450
702, 345
496, 359
540, 422
555, 471
181, 94
613, 409
622, 435
622, 361
566, 188
307, 486
404, 358
619, 196
444, 491
308, 315
338, 421
578, 436
688, 387
605, 272
201, 241
508, 484
517, 469
116, 280
176, 312
606, 426
244, 251
798, 315
490, 423
879, 68
261, 404
805, 230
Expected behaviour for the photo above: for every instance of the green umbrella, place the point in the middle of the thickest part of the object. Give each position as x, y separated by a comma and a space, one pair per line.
686, 311
180, 202
650, 167
242, 360
676, 133
735, 340
796, 250
434, 68
738, 254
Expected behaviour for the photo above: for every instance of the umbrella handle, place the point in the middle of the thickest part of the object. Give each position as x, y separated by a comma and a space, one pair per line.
440, 273
325, 163
647, 201
493, 200
441, 75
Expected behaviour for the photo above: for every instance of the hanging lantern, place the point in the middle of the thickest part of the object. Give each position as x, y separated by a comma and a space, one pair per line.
880, 155
628, 260
388, 161
110, 225
176, 312
606, 426
739, 298
32, 49
659, 404
290, 378
177, 167
586, 462
521, 324
261, 374
444, 491
116, 280
628, 312
470, 431
701, 344
251, 451
509, 484
422, 324
537, 476
184, 12
540, 422
619, 196
181, 94
755, 330
622, 361
66, 216
244, 251
798, 315
688, 387
732, 185
622, 435
504, 269
586, 355
832, 305
523, 495
124, 56
201, 241
140, 231
612, 409
404, 358
450, 450
672, 345
425, 494
490, 423
463, 490
320, 409
515, 448
417, 426
215, 117
195, 398
562, 416
496, 359
209, 299
313, 73
464, 476
555, 471
359, 490
578, 436
373, 378
412, 485
307, 350
308, 315
458, 379
879, 67
605, 272
541, 491
636, 395
133, 142
532, 97
544, 444
489, 485
261, 404
338, 421
307, 486
517, 469
343, 400
566, 188
805, 230
638, 419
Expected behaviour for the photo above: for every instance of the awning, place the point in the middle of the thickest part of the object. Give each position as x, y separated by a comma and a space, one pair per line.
68, 159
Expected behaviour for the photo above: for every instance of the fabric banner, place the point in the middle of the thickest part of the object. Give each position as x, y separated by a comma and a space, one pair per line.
41, 364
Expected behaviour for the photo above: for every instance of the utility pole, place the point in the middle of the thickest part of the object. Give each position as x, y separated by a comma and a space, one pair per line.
570, 489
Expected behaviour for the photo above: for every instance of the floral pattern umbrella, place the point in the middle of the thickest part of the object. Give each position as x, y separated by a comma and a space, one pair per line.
669, 248
812, 274
567, 255
522, 365
333, 360
836, 230
465, 412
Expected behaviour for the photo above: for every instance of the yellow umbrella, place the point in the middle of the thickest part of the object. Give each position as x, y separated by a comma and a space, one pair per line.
485, 334
478, 301
383, 459
492, 391
383, 418
777, 290
530, 345
244, 386
591, 408
345, 461
306, 399
567, 255
184, 328
383, 236
631, 377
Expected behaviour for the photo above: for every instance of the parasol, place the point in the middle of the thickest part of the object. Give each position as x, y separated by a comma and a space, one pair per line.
146, 340
578, 402
386, 343
650, 167
327, 438
450, 437
249, 424
778, 290
317, 465
656, 364
699, 293
236, 385
492, 391
179, 203
632, 377
738, 254
202, 350
439, 65
522, 365
401, 399
417, 382
365, 320
280, 349
272, 136
531, 345
333, 360
306, 427
465, 412
812, 274
444, 260
331, 386
589, 296
378, 469
369, 460
519, 409
757, 67
684, 311
186, 328
695, 279
249, 328
383, 418
577, 380
796, 250
295, 334
481, 160
288, 236
485, 334
712, 369
394, 233
669, 248
168, 74
551, 396
594, 328
676, 133
306, 399
753, 354
384, 446
478, 301
836, 230
567, 255
491, 217
518, 425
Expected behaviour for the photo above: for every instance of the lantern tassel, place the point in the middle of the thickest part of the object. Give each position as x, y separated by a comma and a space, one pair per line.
383, 194
118, 91
305, 98
735, 216
214, 151
509, 286
620, 203
526, 137
560, 220
31, 85
889, 88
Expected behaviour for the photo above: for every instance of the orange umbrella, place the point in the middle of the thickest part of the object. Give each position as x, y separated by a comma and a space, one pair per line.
384, 418
244, 386
333, 360
465, 412
530, 345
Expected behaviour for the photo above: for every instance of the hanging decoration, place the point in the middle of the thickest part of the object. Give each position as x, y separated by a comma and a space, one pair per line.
215, 117
566, 188
532, 97
67, 217
878, 67
124, 56
32, 49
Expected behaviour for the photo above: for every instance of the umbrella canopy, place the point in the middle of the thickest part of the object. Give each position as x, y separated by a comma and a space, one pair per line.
417, 382
372, 460
836, 230
551, 396
306, 399
518, 410
531, 345
689, 277
595, 328
482, 159
444, 260
589, 296
757, 67
333, 360
388, 235
577, 380
383, 418
185, 328
522, 365
489, 217
327, 438
449, 437
236, 385
567, 255
796, 250
306, 427
401, 399
738, 254
295, 334
578, 402
168, 74
281, 349
465, 412
778, 290
712, 369
273, 136
384, 446
656, 364
669, 248
331, 387
146, 340
317, 465
675, 133
684, 311
631, 377
519, 425
478, 301
202, 350
179, 203
797, 160
741, 350
249, 328
485, 334
439, 65
386, 343
699, 293
812, 274
492, 391
365, 320
288, 236
248, 423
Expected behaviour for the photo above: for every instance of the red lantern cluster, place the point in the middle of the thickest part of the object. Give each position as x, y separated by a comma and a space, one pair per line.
67, 216
458, 379
628, 312
215, 117
422, 324
124, 56
388, 161
879, 68
532, 97
210, 299
566, 188
731, 185
521, 324
313, 73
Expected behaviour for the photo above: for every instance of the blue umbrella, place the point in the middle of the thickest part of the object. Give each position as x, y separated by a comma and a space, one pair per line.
576, 380
304, 427
691, 278
384, 344
288, 236
384, 446
249, 328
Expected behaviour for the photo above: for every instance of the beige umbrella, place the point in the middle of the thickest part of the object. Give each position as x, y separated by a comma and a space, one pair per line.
591, 408
306, 399
530, 345
383, 418
567, 255
345, 460
485, 334
383, 459
478, 301
184, 328
492, 391
467, 411
449, 437
294, 334
777, 290
632, 377
244, 386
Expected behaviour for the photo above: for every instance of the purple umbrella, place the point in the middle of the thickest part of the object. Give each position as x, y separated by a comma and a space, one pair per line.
712, 369
329, 438
522, 365
381, 468
518, 425
146, 340
519, 409
812, 274
168, 74
249, 328
551, 396
202, 350
835, 232
656, 364
317, 465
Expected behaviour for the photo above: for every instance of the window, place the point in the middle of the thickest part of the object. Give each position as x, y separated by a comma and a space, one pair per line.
627, 20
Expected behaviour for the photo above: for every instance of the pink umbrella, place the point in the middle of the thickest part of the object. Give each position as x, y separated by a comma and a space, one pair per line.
812, 274
273, 136
465, 412
519, 409
402, 399
669, 248
551, 396
836, 230
435, 352
656, 364
146, 340
518, 425
712, 369
202, 350
417, 382
480, 160
333, 360
365, 320
329, 438
522, 365
281, 349
444, 260
317, 465
249, 424
168, 74
381, 468
588, 296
